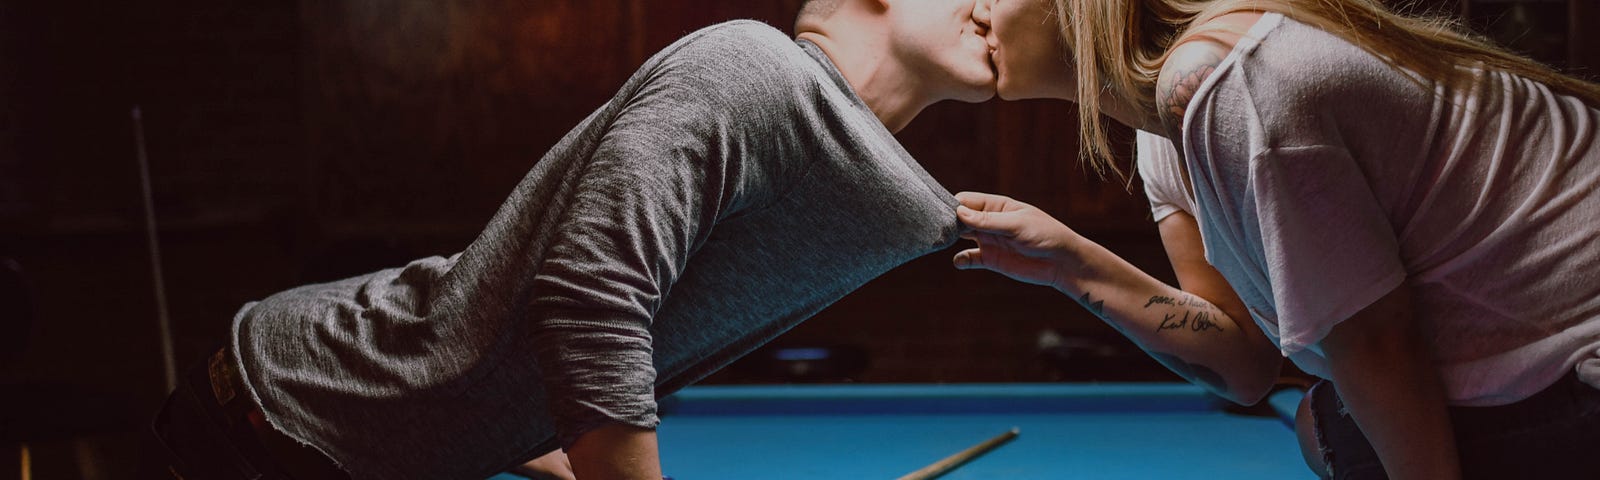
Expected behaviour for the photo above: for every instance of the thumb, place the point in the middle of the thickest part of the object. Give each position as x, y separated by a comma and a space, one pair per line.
969, 259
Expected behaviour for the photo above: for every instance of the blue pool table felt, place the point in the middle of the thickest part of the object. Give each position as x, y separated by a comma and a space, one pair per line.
1067, 431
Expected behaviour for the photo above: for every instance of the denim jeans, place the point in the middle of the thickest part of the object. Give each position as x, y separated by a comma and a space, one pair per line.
1554, 434
205, 435
207, 429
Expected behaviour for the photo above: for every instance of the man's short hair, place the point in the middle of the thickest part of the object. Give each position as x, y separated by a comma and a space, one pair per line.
819, 9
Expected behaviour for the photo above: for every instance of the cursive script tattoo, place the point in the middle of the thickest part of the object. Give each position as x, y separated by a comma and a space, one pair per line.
1196, 321
1201, 318
1185, 301
1193, 372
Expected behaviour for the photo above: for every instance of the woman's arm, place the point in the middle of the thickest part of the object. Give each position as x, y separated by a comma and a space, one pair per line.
1180, 236
1386, 378
1202, 334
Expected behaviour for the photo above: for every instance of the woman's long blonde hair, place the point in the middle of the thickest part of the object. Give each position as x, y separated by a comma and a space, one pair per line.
1119, 46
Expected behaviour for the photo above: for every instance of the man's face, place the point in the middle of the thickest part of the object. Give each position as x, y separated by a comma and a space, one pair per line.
1029, 59
944, 45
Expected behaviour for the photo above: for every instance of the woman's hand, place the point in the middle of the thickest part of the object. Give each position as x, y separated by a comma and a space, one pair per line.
1218, 347
1015, 239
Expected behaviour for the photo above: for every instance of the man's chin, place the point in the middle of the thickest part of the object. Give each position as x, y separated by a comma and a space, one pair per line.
981, 92
977, 95
987, 96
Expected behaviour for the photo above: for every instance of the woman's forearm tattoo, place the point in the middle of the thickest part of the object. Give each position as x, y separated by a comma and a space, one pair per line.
1198, 315
1097, 307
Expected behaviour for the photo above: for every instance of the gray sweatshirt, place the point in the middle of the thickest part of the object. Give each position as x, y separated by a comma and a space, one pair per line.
734, 186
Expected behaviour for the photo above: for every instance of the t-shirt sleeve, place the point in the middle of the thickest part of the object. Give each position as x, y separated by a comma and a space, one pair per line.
1329, 248
1158, 159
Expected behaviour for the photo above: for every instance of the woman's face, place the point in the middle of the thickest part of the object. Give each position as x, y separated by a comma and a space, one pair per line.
1026, 49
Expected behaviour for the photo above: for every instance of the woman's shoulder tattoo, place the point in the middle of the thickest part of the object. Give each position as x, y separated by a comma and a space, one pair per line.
1179, 82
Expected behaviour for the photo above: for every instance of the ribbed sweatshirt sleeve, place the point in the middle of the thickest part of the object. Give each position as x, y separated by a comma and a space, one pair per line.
648, 196
691, 145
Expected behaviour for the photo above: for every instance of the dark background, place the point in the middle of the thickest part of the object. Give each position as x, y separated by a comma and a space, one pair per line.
294, 142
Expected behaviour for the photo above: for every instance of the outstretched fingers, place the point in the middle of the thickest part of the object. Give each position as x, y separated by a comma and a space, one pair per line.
989, 213
984, 202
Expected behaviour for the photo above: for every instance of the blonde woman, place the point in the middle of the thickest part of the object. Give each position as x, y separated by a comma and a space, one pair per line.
1400, 209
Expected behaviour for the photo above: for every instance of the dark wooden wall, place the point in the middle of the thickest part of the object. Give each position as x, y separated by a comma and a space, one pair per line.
297, 142
292, 142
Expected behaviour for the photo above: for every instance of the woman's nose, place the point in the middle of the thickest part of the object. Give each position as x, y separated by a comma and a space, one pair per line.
980, 13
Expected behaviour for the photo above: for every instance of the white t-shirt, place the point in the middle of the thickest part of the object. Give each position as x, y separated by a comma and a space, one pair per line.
1322, 179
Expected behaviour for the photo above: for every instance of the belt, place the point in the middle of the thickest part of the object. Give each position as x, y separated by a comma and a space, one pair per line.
300, 461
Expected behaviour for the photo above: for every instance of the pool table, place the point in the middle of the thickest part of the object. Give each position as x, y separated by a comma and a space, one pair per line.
1067, 431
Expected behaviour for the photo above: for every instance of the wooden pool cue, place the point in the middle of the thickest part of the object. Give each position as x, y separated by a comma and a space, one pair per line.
951, 462
169, 361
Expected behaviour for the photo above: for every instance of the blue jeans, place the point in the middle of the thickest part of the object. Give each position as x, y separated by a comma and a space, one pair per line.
1553, 434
